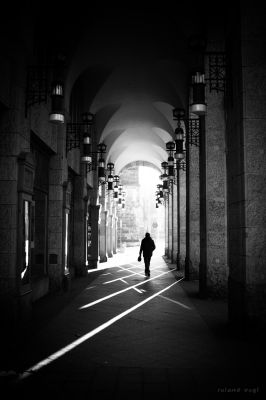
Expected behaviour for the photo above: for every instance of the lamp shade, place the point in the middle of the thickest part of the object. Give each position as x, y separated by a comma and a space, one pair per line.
179, 133
101, 147
170, 146
179, 154
101, 174
178, 113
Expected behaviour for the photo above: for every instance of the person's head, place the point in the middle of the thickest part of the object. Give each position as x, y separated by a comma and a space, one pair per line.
147, 235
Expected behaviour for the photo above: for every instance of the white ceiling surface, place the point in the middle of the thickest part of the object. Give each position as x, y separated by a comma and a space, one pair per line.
134, 103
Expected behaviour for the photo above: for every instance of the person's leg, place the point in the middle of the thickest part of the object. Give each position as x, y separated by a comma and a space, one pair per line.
149, 261
146, 262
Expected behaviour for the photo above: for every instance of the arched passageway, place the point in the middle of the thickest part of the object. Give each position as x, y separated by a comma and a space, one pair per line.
84, 102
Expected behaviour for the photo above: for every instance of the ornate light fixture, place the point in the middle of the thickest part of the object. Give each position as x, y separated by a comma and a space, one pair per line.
80, 134
56, 115
159, 195
170, 147
176, 152
116, 181
120, 195
110, 178
123, 199
164, 177
36, 86
87, 120
101, 163
178, 115
198, 105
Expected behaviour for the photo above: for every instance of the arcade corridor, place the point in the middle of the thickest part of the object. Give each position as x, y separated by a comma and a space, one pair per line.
114, 122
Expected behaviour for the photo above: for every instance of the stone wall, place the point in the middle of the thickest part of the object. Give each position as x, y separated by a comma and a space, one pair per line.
246, 166
254, 163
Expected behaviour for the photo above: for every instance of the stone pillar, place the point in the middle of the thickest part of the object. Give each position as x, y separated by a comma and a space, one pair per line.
103, 236
246, 167
170, 225
8, 229
94, 257
217, 269
114, 230
194, 212
56, 218
110, 236
175, 224
182, 199
166, 227
203, 211
79, 227
254, 126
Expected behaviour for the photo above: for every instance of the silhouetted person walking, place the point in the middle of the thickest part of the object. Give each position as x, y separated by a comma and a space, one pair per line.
147, 246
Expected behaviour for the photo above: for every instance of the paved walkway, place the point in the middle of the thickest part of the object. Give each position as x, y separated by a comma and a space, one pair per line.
120, 335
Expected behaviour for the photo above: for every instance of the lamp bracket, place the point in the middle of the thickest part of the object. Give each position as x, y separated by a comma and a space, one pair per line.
217, 71
93, 165
36, 85
74, 135
182, 165
193, 131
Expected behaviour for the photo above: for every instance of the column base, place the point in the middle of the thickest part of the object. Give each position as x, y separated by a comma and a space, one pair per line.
92, 263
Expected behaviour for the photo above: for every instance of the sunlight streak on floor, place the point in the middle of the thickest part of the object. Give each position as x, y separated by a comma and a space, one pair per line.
176, 302
122, 291
90, 334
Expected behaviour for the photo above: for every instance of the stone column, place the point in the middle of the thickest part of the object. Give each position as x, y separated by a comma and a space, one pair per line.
8, 228
182, 199
56, 217
103, 235
114, 230
94, 258
170, 226
14, 146
175, 224
254, 125
79, 227
217, 269
194, 212
166, 227
246, 168
110, 236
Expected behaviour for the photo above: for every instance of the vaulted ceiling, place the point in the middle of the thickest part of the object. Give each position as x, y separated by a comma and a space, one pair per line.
130, 66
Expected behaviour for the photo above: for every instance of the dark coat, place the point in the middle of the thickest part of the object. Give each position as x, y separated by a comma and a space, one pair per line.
147, 246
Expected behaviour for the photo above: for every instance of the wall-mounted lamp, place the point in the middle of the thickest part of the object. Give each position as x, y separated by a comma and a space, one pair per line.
123, 199
110, 178
116, 189
164, 177
101, 163
80, 134
198, 105
170, 147
159, 195
193, 128
120, 195
87, 121
56, 115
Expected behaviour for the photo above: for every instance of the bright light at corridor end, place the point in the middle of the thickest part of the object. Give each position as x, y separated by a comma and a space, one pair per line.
148, 178
154, 218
